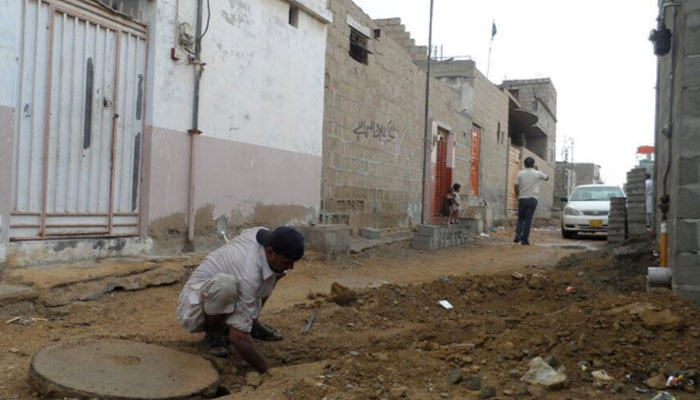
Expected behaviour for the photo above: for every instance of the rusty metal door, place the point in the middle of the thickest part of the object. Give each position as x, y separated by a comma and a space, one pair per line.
513, 169
475, 161
443, 175
77, 148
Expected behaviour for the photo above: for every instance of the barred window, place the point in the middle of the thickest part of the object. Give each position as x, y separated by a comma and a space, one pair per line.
358, 46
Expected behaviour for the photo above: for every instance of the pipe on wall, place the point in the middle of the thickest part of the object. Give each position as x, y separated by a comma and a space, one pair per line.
194, 131
427, 142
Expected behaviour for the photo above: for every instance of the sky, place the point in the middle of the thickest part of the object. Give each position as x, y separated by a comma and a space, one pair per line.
596, 52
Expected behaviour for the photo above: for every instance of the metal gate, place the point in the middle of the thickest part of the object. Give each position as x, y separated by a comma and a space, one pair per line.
443, 173
475, 161
513, 169
77, 148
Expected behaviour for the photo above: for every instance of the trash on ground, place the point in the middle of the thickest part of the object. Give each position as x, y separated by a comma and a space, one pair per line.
541, 373
445, 304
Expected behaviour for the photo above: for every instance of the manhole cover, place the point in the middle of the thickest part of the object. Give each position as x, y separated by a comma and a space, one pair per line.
121, 369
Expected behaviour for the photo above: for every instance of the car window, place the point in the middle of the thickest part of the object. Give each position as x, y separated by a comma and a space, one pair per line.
596, 193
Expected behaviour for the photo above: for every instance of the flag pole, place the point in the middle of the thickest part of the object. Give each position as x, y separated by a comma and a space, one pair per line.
493, 33
488, 66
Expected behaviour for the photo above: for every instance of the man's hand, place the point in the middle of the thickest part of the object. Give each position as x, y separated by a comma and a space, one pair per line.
244, 345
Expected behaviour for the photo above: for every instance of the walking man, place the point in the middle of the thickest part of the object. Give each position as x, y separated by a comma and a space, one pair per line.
527, 188
649, 198
225, 294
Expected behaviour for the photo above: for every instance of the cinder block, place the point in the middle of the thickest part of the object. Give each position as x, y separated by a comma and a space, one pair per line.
688, 200
327, 239
370, 233
687, 236
690, 167
686, 269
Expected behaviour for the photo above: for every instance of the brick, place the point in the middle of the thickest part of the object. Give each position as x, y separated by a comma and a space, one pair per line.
686, 269
687, 235
690, 167
688, 201
691, 64
370, 233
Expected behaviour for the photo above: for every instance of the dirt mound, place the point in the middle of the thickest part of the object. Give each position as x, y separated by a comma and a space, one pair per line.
398, 342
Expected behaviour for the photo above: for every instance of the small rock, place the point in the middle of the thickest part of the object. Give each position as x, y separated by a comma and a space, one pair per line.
253, 379
487, 392
354, 353
455, 376
657, 382
444, 395
14, 350
517, 275
602, 376
351, 325
398, 392
514, 373
597, 363
536, 391
509, 392
660, 320
473, 383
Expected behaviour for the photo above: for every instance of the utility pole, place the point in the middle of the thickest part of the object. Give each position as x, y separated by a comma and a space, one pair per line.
427, 142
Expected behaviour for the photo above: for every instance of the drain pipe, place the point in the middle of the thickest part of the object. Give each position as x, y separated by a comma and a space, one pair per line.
194, 131
662, 276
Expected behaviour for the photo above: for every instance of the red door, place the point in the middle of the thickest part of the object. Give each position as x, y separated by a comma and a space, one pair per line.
476, 160
443, 176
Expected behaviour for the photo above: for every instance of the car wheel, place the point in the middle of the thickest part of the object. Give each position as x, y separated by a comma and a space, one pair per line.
567, 234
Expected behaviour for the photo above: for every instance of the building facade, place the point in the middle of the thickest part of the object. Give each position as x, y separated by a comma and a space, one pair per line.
677, 157
148, 119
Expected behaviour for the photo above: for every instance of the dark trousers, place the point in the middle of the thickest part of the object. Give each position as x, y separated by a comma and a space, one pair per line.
526, 210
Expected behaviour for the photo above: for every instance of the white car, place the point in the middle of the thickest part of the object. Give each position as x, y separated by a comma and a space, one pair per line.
587, 209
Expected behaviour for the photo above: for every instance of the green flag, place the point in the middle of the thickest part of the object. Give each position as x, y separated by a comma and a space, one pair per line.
493, 29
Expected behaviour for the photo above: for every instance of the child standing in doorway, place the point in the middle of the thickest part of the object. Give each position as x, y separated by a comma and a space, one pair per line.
454, 217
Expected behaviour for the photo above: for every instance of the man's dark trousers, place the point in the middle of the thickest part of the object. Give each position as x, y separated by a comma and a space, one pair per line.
526, 210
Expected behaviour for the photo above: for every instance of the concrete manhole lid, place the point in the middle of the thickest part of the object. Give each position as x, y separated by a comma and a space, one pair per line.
121, 369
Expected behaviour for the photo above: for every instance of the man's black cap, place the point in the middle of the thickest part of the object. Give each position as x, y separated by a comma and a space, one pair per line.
284, 240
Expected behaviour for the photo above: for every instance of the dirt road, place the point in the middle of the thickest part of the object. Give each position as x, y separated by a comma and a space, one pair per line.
394, 341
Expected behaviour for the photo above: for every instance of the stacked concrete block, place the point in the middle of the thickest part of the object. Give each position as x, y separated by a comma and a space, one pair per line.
636, 206
371, 233
433, 237
617, 220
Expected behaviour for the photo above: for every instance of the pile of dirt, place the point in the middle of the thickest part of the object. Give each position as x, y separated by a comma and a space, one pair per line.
398, 342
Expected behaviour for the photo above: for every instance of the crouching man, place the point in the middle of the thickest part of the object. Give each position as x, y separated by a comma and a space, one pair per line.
225, 294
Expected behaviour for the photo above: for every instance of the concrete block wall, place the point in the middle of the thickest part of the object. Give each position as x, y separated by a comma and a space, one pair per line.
617, 220
636, 204
684, 176
373, 128
491, 114
434, 237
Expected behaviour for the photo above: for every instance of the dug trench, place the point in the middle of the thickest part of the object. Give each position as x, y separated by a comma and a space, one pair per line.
395, 341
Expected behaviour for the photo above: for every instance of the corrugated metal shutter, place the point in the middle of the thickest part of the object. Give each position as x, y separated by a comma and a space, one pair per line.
77, 146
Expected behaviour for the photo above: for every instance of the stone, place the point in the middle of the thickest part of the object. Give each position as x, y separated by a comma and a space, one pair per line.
602, 376
663, 320
517, 275
487, 392
541, 373
657, 382
253, 379
370, 233
473, 383
455, 376
120, 369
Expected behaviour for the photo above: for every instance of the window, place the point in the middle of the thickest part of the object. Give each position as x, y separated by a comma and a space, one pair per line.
358, 46
294, 16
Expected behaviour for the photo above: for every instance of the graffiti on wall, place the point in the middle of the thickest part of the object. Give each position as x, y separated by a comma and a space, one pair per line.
373, 129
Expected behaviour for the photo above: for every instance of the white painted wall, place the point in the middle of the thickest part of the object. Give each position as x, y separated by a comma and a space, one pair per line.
10, 39
263, 79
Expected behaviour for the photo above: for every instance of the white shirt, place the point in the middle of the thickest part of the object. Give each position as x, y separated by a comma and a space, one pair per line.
649, 193
245, 259
528, 181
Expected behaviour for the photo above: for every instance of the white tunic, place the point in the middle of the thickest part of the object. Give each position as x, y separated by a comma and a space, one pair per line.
244, 259
528, 181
